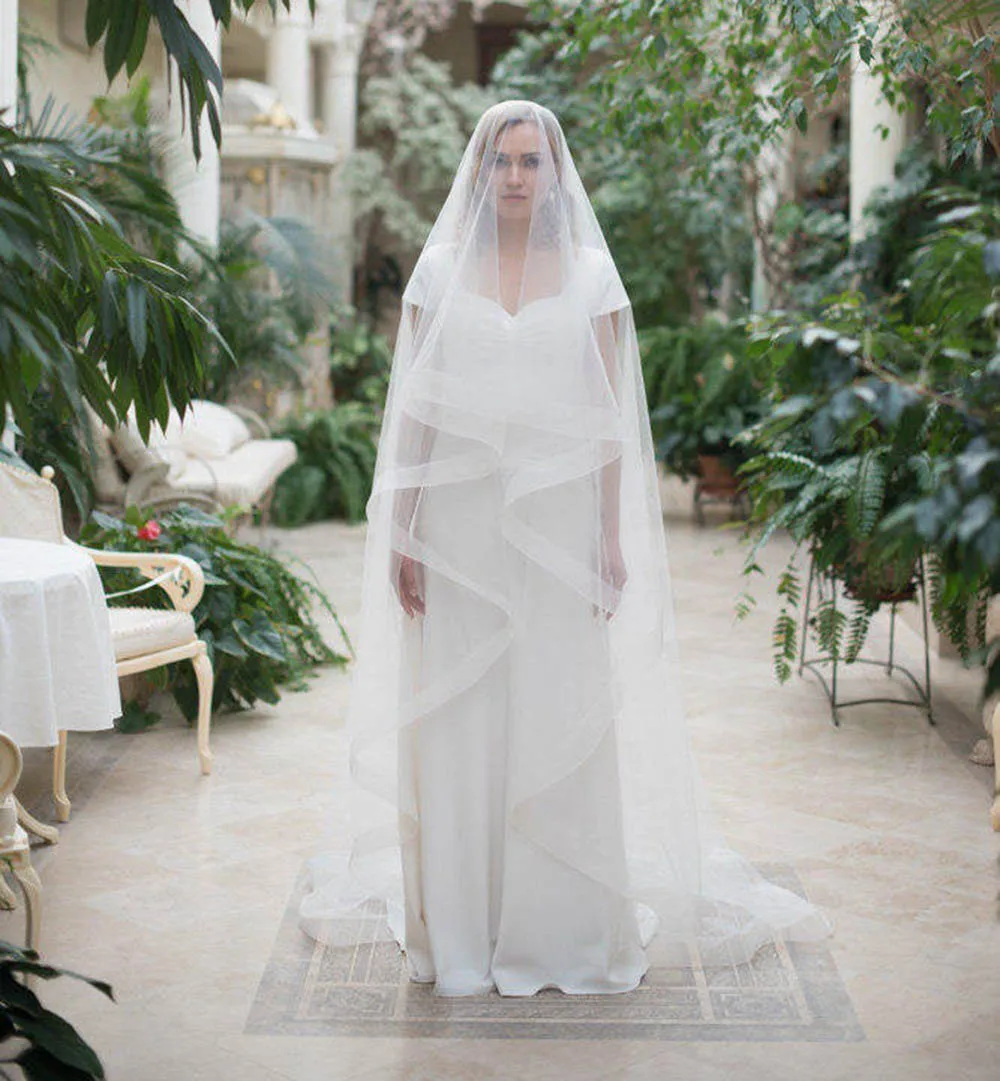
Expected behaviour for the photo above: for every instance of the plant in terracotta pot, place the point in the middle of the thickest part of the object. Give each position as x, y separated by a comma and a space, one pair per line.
703, 393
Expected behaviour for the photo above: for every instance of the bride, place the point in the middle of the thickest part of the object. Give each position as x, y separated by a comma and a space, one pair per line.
527, 810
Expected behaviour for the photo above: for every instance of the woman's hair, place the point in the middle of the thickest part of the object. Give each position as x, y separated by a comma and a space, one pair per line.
512, 114
515, 114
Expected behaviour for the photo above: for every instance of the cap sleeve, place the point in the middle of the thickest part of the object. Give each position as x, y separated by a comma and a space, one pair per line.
427, 278
602, 285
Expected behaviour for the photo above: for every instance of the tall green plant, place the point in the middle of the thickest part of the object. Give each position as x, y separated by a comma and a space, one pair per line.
83, 311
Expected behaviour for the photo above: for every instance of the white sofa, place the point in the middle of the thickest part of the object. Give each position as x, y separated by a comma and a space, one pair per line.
210, 457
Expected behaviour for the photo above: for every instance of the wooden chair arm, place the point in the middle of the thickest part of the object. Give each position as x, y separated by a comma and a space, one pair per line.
185, 589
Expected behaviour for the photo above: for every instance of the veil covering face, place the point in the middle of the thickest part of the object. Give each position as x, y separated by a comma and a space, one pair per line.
535, 702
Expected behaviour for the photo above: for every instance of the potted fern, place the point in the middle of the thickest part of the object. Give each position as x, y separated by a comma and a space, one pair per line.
703, 392
838, 456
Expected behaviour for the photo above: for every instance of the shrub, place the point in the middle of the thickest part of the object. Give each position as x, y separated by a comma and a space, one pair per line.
257, 616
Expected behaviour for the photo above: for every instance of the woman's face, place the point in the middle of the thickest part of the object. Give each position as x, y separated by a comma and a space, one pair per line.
518, 179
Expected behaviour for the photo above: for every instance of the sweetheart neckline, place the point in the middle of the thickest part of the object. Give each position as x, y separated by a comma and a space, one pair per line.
512, 315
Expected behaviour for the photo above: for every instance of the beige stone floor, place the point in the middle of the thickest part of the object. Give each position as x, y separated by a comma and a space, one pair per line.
172, 886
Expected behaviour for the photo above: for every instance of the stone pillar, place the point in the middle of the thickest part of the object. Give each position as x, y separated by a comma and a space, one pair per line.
8, 59
873, 159
776, 178
289, 60
8, 102
194, 184
340, 114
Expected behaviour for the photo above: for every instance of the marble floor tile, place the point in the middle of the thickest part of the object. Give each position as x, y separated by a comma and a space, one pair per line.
175, 887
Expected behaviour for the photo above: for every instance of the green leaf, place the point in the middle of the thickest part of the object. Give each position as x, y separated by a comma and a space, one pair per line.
260, 636
56, 1036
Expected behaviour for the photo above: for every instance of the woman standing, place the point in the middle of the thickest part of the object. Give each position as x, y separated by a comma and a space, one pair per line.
516, 702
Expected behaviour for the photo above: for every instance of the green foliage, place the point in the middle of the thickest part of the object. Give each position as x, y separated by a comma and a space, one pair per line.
738, 76
264, 288
360, 361
83, 311
332, 477
883, 444
54, 1050
702, 392
722, 85
257, 616
413, 127
122, 27
679, 233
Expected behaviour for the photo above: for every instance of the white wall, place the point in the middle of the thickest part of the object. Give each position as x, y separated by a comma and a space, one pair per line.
73, 75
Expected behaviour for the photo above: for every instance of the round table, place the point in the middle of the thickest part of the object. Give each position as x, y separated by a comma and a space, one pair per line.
57, 660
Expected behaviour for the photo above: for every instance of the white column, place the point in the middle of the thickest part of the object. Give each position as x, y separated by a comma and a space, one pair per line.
8, 101
289, 60
195, 184
776, 177
340, 117
873, 159
8, 58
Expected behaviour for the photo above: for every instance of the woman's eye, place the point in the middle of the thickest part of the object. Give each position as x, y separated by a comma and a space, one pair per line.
532, 161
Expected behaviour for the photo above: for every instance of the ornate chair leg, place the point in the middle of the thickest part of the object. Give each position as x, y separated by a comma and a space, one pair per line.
31, 887
59, 780
206, 680
995, 814
49, 834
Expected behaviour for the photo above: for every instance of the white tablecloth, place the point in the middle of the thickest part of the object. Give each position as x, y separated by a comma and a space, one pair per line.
57, 661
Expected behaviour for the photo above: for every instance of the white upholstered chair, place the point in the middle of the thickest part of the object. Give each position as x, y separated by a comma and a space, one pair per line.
14, 848
216, 457
144, 638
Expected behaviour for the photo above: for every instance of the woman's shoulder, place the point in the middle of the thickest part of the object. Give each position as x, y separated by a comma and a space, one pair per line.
601, 281
432, 261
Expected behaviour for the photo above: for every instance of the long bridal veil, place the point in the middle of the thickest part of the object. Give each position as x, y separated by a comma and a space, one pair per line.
516, 480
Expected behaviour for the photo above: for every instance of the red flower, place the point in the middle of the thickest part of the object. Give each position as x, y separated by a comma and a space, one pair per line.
150, 531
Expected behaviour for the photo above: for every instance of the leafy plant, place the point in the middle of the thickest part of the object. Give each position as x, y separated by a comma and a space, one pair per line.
257, 616
55, 1051
83, 311
702, 392
728, 82
332, 477
122, 27
263, 288
855, 443
360, 360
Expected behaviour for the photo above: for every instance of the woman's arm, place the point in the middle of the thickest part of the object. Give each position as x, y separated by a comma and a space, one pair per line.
612, 564
406, 572
606, 329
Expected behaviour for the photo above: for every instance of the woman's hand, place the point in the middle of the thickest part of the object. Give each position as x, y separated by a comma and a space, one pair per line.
408, 578
613, 572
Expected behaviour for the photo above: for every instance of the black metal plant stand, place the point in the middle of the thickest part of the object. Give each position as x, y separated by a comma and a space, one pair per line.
824, 580
739, 502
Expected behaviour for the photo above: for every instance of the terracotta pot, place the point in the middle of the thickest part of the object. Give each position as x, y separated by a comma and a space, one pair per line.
716, 478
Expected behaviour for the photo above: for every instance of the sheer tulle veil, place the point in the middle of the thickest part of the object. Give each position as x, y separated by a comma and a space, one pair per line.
523, 400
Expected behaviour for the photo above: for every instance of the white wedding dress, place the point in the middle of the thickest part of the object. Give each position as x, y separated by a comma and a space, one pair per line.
529, 742
525, 809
